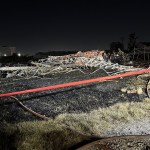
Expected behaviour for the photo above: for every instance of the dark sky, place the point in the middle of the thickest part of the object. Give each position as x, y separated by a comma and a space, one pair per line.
34, 26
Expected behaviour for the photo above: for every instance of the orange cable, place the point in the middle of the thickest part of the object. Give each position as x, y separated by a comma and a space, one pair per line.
75, 83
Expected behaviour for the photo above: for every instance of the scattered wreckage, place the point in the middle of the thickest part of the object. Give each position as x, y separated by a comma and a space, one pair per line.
110, 62
106, 60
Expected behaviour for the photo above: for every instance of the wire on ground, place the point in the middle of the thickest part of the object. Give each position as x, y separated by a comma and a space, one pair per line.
70, 84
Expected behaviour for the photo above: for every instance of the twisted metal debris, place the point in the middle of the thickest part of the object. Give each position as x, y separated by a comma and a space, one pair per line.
67, 63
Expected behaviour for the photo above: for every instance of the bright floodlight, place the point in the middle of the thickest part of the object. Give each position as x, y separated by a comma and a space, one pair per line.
19, 54
5, 54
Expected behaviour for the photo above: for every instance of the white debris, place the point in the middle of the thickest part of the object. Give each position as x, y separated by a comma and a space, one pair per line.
68, 63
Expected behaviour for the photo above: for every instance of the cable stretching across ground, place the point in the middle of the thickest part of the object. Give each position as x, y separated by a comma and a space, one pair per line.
70, 84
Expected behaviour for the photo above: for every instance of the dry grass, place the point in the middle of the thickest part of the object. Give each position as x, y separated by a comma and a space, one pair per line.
69, 129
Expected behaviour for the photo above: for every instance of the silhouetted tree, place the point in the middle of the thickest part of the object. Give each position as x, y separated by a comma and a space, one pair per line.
132, 41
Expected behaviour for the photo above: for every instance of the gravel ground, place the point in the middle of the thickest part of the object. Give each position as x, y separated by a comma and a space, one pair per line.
141, 127
69, 100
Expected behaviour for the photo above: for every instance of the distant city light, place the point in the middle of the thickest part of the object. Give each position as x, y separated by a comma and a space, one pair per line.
19, 54
5, 54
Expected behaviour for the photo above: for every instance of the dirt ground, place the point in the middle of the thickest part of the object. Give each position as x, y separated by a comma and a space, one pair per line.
68, 100
95, 110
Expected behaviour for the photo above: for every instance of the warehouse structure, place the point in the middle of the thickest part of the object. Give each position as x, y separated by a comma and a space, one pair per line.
7, 51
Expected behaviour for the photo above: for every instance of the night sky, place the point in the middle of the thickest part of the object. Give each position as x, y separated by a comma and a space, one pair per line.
72, 25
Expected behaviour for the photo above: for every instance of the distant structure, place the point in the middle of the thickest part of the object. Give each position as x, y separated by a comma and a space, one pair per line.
7, 51
145, 46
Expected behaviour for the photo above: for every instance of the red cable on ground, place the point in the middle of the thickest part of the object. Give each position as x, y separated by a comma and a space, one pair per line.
76, 83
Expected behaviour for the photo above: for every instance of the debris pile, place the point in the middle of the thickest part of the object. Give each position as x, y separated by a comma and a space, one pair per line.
67, 63
80, 59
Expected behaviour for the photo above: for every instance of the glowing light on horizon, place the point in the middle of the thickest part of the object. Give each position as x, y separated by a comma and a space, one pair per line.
19, 54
